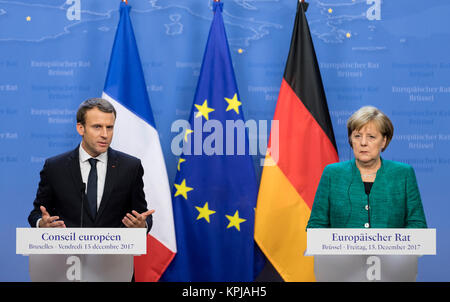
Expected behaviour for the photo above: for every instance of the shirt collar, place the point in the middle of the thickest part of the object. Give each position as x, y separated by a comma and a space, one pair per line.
84, 156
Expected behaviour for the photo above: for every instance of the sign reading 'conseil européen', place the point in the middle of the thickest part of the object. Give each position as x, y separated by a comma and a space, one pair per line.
81, 241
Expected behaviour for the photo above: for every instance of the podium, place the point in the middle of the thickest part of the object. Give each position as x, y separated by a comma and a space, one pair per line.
365, 268
365, 255
81, 254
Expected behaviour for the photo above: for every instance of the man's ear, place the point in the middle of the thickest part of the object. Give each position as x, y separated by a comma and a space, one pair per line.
80, 129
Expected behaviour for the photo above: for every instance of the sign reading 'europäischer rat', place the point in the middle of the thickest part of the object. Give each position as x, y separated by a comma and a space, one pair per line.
371, 242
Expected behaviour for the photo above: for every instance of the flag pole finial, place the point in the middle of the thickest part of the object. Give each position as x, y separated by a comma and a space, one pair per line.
304, 4
217, 4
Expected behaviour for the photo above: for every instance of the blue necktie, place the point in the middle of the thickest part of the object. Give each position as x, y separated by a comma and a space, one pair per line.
92, 187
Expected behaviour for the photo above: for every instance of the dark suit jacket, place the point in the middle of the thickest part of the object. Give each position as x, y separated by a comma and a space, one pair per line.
60, 191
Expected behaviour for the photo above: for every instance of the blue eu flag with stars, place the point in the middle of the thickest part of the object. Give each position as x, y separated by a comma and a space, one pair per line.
215, 189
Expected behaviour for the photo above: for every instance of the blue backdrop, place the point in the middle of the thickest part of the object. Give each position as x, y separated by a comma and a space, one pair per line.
390, 54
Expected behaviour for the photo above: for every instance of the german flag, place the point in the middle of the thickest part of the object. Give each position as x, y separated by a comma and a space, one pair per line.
306, 145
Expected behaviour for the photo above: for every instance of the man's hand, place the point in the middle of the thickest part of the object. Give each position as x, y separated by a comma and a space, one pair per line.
48, 221
136, 220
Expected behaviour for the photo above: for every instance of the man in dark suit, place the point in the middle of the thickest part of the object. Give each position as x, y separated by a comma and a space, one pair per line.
93, 185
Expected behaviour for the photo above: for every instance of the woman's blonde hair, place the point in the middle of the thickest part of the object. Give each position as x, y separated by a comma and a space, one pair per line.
367, 114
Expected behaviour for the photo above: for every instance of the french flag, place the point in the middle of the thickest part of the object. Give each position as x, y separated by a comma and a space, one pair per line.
135, 133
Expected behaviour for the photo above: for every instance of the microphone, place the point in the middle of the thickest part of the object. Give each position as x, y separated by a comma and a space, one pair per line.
83, 190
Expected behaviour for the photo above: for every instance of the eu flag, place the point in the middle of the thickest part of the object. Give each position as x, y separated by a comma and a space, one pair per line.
215, 189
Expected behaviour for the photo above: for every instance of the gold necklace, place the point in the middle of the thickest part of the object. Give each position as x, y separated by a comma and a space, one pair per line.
368, 175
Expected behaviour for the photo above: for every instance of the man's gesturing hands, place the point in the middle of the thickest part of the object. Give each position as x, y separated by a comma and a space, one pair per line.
48, 221
136, 220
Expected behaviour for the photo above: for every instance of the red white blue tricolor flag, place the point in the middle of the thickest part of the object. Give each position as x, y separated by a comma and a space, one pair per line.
135, 133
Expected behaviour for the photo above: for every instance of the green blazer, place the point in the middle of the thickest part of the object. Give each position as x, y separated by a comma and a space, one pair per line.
341, 202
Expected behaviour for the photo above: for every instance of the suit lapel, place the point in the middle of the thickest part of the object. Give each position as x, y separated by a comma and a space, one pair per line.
379, 183
357, 192
110, 179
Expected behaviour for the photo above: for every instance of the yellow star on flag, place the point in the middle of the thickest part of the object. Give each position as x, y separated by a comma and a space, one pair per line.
188, 131
203, 110
235, 221
233, 104
204, 212
180, 160
182, 189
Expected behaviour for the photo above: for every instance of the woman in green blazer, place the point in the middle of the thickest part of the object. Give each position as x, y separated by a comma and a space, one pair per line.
369, 191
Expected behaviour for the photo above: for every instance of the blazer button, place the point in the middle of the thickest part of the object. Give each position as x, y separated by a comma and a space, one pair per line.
366, 225
367, 207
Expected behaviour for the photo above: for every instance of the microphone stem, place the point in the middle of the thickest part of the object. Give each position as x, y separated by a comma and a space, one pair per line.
83, 189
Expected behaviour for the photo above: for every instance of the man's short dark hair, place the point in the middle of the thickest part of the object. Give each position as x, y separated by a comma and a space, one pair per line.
102, 104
